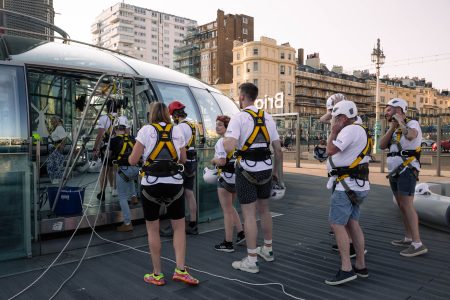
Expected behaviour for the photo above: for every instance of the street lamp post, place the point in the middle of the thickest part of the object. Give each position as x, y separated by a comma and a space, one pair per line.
378, 59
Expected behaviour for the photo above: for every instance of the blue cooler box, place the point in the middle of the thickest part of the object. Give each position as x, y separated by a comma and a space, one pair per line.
70, 200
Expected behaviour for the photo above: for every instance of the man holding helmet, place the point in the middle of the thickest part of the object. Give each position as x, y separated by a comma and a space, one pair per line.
176, 110
348, 147
403, 140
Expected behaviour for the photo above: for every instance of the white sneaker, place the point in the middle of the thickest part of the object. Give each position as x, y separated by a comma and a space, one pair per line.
266, 254
245, 265
56, 181
114, 193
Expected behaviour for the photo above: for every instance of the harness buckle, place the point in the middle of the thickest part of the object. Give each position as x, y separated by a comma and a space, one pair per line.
180, 168
402, 153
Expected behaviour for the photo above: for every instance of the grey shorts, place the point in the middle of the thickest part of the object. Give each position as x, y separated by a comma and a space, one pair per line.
248, 192
404, 184
342, 210
221, 183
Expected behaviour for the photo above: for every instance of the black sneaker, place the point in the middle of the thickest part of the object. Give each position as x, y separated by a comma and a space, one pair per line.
240, 237
353, 251
331, 233
192, 229
341, 277
225, 247
361, 272
101, 196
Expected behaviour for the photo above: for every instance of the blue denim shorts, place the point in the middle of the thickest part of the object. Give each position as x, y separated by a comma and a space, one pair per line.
404, 184
342, 210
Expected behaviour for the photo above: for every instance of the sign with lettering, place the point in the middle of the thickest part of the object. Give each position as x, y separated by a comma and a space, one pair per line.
269, 102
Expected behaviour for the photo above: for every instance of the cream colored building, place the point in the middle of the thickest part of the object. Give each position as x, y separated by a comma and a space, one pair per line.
271, 68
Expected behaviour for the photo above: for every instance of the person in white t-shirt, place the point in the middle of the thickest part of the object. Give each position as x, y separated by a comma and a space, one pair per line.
187, 127
226, 189
403, 139
57, 140
254, 172
345, 146
161, 147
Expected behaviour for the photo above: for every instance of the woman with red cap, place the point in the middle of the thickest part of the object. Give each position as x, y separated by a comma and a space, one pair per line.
176, 110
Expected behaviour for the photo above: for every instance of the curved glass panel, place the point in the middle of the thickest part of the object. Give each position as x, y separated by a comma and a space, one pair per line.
73, 57
227, 105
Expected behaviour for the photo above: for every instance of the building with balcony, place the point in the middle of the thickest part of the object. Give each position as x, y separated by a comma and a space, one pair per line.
142, 33
41, 9
271, 68
211, 44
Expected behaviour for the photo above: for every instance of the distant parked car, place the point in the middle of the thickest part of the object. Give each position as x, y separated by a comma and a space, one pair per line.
427, 143
445, 146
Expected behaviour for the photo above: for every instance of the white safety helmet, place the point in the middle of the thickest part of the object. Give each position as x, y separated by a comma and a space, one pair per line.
320, 154
398, 102
121, 121
278, 191
210, 175
83, 168
345, 107
95, 166
422, 189
334, 99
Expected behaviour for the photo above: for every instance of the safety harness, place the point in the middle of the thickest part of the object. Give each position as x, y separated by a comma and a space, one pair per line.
258, 135
122, 157
162, 162
355, 170
191, 154
109, 130
408, 156
229, 164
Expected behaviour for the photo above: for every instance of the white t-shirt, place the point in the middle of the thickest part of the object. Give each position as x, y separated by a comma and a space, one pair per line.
351, 141
221, 153
187, 132
241, 127
148, 137
104, 122
58, 134
395, 161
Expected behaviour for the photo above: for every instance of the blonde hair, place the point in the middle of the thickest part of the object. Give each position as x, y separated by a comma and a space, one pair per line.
158, 112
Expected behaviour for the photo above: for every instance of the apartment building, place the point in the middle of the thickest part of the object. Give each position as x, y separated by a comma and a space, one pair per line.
140, 32
207, 51
271, 68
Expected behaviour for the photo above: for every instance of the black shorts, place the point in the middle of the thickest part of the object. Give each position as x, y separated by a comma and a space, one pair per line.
248, 192
190, 169
221, 183
175, 211
404, 184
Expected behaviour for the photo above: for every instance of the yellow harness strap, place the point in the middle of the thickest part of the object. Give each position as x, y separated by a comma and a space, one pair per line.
192, 139
164, 141
126, 142
260, 127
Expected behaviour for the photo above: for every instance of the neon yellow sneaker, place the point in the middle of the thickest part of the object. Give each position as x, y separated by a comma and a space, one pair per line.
155, 279
184, 276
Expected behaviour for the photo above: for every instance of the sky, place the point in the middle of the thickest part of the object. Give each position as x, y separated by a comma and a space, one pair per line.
414, 34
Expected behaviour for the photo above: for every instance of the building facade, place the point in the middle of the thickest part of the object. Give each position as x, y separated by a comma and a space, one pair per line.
208, 48
41, 9
271, 68
145, 34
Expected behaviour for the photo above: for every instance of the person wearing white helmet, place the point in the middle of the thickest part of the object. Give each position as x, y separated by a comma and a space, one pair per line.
226, 189
348, 148
121, 146
403, 139
332, 101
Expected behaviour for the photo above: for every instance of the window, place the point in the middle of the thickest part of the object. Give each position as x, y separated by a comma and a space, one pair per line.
244, 31
209, 110
289, 88
255, 51
290, 70
228, 107
289, 56
255, 66
255, 82
247, 66
238, 70
244, 20
282, 55
382, 99
282, 69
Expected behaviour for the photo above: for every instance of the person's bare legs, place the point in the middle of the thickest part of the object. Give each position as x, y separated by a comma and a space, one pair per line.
154, 243
358, 242
266, 219
179, 242
410, 218
408, 233
229, 213
250, 227
192, 204
343, 244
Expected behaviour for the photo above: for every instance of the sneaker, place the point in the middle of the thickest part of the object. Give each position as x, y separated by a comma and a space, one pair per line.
225, 247
352, 250
401, 243
341, 277
114, 193
331, 233
364, 273
155, 279
245, 265
134, 200
125, 227
192, 229
184, 276
266, 254
101, 196
240, 238
411, 251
